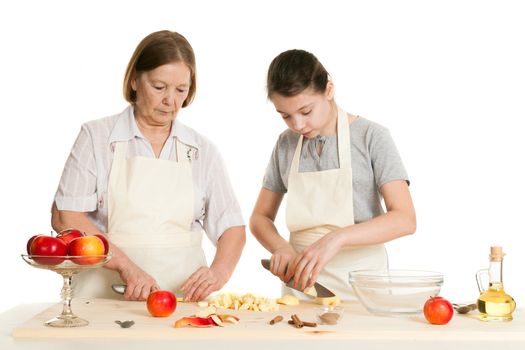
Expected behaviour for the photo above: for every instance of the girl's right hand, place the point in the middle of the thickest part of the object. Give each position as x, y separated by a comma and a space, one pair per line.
281, 258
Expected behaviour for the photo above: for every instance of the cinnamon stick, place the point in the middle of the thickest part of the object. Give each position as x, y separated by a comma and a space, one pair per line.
306, 324
297, 321
276, 319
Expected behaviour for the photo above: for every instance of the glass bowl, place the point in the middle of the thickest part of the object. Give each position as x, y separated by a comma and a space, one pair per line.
395, 292
329, 314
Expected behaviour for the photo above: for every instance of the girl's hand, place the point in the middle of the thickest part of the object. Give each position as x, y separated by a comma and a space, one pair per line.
280, 261
305, 268
202, 283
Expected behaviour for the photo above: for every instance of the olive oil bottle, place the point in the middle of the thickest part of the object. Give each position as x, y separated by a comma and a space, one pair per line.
493, 303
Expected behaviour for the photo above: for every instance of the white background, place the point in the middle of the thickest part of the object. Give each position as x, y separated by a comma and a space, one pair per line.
446, 77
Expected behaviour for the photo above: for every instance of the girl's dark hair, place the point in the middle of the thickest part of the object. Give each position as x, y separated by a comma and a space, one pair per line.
155, 50
294, 71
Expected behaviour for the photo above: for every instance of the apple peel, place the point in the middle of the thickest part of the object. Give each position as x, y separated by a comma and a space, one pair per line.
199, 322
206, 322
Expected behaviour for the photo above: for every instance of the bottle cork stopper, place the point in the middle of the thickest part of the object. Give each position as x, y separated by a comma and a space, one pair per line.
496, 253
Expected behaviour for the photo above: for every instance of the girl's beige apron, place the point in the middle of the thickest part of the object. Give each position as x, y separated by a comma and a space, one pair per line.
321, 201
150, 211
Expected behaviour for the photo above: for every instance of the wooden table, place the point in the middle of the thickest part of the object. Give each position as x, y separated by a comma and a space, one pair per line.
22, 328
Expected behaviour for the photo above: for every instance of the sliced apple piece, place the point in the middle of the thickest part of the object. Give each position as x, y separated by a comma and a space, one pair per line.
310, 291
206, 312
229, 318
288, 299
203, 303
332, 301
217, 320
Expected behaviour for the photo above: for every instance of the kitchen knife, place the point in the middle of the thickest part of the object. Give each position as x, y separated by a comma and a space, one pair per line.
121, 289
318, 290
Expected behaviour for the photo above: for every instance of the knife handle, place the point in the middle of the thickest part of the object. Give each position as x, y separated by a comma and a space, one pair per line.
119, 288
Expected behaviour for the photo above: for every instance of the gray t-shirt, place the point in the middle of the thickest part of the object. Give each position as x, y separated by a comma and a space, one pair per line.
375, 161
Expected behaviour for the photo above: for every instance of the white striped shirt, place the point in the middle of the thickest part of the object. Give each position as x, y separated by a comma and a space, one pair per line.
84, 182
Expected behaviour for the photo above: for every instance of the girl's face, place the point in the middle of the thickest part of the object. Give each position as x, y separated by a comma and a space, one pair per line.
309, 113
161, 93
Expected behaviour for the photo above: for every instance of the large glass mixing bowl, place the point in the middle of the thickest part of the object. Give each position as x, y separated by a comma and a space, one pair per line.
395, 292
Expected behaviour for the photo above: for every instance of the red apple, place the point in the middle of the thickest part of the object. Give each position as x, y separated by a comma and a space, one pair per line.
161, 303
28, 245
105, 241
438, 310
89, 247
69, 234
44, 248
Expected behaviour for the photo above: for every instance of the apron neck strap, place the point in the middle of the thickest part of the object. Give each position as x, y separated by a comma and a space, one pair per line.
343, 144
343, 140
119, 154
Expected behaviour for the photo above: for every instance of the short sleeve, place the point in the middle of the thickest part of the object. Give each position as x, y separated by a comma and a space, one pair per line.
386, 161
273, 178
222, 210
78, 184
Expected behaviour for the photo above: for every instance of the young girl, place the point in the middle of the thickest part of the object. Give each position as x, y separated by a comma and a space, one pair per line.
335, 167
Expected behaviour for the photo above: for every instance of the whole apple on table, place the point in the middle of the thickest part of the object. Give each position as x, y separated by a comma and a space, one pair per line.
161, 303
83, 249
438, 310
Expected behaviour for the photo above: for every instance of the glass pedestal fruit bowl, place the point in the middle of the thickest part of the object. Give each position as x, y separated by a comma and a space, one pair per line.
67, 267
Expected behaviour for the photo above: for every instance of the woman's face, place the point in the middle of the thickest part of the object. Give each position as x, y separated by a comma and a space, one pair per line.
161, 93
309, 113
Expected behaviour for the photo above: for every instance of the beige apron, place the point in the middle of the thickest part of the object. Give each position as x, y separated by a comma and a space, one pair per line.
321, 201
150, 212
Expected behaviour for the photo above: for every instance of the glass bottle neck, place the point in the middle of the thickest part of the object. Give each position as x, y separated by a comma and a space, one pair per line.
495, 274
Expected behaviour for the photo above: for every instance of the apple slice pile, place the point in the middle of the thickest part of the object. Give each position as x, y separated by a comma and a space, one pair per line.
247, 301
83, 249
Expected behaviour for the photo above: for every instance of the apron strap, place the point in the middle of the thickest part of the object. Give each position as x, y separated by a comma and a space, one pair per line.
119, 161
343, 144
343, 140
119, 155
297, 156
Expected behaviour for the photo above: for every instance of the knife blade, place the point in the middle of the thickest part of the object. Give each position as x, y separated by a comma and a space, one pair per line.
121, 289
318, 290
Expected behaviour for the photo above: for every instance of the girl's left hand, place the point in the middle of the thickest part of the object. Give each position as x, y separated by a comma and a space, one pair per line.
202, 283
305, 268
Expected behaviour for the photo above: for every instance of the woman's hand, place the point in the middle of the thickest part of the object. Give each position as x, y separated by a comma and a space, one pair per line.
305, 268
138, 283
281, 258
202, 283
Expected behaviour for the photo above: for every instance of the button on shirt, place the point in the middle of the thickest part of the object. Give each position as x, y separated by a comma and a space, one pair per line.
84, 182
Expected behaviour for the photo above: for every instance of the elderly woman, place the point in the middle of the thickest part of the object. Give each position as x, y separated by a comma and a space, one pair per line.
152, 185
